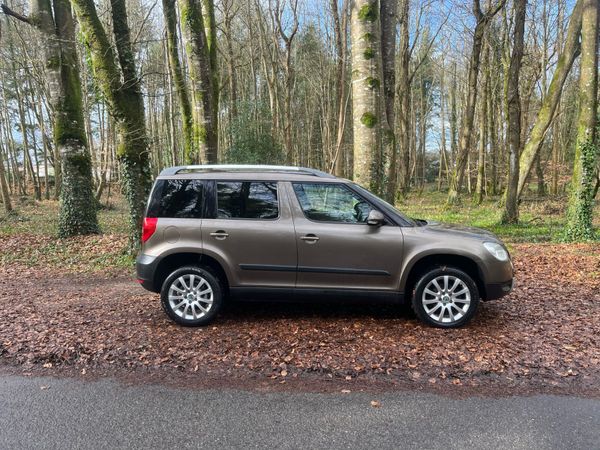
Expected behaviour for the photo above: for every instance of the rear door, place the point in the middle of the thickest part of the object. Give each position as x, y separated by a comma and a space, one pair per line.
249, 229
336, 247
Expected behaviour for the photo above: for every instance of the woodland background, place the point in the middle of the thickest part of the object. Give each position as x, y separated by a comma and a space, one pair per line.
480, 100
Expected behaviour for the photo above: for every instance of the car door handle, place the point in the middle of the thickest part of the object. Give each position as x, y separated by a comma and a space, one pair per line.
310, 238
219, 234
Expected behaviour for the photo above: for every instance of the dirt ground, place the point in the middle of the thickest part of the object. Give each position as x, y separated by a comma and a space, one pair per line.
544, 337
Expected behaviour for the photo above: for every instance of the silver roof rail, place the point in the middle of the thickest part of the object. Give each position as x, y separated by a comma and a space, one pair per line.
243, 168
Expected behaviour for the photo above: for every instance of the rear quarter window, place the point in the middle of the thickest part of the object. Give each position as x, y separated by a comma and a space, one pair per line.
181, 199
247, 200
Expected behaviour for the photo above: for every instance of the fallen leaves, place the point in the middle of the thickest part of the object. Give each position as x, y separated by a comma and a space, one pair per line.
53, 318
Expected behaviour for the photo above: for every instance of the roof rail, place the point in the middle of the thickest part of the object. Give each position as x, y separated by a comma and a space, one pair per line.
243, 168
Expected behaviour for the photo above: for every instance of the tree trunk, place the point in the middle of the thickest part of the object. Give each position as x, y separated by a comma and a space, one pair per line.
513, 102
77, 212
366, 90
581, 202
389, 21
341, 35
483, 112
124, 100
401, 180
552, 97
200, 41
3, 185
190, 150
466, 130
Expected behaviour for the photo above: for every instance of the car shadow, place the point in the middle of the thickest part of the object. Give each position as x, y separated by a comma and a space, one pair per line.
310, 309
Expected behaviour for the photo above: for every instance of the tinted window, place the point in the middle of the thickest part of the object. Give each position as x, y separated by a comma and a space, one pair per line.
177, 199
331, 203
247, 200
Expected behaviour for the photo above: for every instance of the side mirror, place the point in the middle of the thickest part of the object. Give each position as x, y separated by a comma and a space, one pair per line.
375, 218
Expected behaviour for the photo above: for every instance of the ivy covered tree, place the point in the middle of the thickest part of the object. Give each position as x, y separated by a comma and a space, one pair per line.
77, 213
120, 85
581, 202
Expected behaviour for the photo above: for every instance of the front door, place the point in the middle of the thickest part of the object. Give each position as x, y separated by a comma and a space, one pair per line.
336, 247
251, 233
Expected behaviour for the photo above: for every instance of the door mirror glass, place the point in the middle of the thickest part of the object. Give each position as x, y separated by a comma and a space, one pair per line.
375, 218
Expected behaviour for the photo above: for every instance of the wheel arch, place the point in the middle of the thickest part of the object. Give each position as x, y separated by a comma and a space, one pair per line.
418, 267
173, 261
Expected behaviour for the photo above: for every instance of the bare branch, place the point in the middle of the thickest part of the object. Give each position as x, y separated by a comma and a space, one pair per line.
9, 12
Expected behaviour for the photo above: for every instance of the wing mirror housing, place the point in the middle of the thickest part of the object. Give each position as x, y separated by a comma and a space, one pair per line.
375, 218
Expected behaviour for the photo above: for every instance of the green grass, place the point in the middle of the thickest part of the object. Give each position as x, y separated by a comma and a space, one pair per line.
34, 217
28, 238
540, 220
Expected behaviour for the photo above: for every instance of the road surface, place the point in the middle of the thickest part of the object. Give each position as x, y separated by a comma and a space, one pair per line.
67, 413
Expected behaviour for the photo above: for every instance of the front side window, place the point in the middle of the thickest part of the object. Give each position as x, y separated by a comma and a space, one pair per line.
180, 199
247, 200
327, 202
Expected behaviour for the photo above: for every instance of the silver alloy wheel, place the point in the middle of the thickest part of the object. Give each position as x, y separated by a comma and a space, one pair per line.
190, 296
446, 299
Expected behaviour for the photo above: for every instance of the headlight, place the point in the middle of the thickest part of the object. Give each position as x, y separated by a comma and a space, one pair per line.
497, 250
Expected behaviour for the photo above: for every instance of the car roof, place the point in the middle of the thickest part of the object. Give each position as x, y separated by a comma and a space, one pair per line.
254, 172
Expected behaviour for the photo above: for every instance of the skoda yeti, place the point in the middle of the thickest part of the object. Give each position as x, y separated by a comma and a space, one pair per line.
274, 232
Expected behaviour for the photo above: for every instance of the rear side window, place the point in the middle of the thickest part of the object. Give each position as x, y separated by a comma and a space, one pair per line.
180, 199
247, 200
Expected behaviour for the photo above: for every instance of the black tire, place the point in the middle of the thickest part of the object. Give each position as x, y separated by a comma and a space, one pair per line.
180, 315
446, 322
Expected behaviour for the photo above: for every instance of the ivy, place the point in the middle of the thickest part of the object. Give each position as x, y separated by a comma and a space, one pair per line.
581, 203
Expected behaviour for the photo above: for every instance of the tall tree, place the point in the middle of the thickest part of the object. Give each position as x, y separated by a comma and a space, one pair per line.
121, 88
389, 23
199, 31
365, 32
513, 101
464, 143
552, 97
340, 27
4, 191
190, 151
77, 213
581, 202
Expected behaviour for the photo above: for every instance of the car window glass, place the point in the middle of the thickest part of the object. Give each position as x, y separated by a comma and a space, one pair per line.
247, 200
177, 199
331, 203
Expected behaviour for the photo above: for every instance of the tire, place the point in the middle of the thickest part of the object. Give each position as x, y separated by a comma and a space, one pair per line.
450, 306
192, 296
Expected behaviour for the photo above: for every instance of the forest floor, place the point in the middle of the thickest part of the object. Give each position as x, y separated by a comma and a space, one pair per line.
72, 307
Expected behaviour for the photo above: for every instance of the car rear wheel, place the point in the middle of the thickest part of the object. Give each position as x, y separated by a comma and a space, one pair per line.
445, 297
192, 296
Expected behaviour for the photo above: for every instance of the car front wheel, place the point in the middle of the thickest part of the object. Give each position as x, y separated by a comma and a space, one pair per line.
191, 296
445, 297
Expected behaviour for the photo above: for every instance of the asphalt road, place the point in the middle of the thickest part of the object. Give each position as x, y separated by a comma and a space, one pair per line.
65, 413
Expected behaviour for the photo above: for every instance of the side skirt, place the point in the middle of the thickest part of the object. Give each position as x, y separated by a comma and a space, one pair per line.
260, 293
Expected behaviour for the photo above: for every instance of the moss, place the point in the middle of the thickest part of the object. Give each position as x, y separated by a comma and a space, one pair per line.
53, 62
368, 119
368, 12
373, 83
368, 37
369, 53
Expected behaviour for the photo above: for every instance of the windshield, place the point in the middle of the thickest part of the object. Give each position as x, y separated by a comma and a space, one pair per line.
383, 204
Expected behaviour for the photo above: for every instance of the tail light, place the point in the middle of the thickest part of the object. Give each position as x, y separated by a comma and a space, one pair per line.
148, 228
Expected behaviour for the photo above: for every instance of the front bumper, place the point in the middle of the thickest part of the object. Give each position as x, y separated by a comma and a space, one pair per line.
145, 267
494, 291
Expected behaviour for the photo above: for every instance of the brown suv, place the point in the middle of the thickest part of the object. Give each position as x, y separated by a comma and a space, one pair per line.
274, 232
